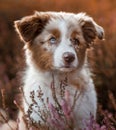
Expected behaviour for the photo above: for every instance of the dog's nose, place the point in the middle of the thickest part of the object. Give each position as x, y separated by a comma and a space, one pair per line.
68, 57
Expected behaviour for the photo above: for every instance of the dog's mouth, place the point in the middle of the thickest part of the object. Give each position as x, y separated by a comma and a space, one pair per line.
66, 68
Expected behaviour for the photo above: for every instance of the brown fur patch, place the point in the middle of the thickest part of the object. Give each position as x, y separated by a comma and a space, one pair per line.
41, 58
81, 52
80, 49
31, 26
74, 34
56, 33
81, 55
89, 31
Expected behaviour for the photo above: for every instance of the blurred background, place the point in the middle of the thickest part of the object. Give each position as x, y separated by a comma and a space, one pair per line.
102, 57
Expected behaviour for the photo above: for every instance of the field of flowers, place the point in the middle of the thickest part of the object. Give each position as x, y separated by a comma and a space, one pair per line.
102, 57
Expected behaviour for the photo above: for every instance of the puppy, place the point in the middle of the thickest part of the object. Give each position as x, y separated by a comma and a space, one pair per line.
56, 46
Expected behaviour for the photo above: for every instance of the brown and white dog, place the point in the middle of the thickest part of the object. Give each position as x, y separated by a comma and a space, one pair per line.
56, 43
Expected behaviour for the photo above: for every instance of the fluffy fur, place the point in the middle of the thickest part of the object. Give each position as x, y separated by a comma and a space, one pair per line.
56, 43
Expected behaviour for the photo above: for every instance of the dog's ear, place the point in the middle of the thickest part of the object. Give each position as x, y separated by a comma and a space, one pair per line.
90, 29
31, 26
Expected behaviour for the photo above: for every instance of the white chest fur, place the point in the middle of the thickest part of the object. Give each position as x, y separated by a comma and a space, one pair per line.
86, 103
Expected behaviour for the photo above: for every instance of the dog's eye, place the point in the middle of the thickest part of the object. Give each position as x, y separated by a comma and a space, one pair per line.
75, 41
52, 40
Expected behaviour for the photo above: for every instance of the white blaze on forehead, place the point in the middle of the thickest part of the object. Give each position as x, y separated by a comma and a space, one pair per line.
64, 45
60, 50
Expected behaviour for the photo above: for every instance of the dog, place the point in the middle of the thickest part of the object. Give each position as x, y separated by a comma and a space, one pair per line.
56, 45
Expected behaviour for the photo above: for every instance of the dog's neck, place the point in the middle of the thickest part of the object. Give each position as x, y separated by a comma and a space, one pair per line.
75, 78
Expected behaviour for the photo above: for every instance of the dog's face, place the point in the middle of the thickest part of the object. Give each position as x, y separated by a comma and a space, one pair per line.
58, 41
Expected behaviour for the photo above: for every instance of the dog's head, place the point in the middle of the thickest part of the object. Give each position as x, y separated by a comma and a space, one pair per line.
58, 41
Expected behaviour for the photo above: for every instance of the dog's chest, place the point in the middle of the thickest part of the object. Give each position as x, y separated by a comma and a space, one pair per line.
42, 91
